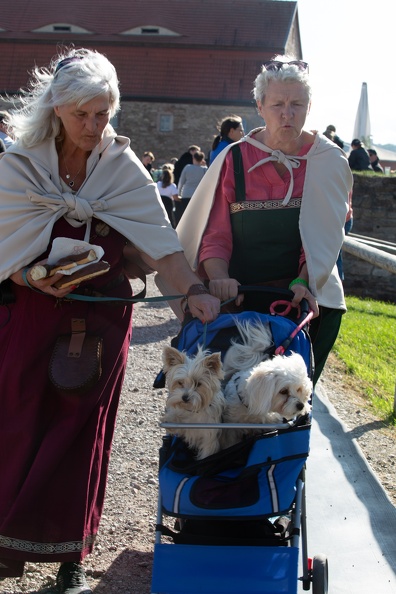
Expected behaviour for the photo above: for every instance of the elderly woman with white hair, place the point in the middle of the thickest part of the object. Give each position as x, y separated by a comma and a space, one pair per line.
271, 209
70, 176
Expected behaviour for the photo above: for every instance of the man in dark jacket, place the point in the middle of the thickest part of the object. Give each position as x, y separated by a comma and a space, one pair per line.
185, 159
330, 133
358, 159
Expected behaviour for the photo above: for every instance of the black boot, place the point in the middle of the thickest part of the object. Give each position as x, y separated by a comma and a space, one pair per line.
71, 579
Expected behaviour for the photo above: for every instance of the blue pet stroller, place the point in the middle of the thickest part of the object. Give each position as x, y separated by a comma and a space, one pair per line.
239, 515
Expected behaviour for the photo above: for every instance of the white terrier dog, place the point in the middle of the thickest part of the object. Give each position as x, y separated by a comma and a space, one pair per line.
195, 396
269, 392
256, 342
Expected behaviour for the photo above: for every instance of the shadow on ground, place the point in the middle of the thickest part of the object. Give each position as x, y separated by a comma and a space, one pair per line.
130, 573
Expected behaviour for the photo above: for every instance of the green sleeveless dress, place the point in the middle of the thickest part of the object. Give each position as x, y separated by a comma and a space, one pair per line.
266, 237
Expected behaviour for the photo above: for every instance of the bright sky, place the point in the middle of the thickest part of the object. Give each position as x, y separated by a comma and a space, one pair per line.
346, 43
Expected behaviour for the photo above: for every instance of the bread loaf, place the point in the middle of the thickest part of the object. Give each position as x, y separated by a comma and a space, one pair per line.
90, 271
40, 271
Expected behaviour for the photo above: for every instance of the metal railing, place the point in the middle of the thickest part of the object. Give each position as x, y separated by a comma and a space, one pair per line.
367, 249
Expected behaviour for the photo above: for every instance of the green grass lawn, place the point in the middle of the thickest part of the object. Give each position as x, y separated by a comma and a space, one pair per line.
367, 346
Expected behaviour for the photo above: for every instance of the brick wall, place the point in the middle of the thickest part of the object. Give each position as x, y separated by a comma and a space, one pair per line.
374, 215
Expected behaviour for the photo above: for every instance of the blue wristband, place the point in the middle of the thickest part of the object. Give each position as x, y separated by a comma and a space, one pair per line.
24, 277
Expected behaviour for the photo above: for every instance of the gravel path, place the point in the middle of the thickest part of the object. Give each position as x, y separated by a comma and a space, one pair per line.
121, 563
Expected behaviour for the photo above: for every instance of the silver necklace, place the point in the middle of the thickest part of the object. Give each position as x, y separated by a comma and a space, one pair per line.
68, 176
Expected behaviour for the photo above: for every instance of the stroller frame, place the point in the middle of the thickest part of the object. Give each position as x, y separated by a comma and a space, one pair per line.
233, 568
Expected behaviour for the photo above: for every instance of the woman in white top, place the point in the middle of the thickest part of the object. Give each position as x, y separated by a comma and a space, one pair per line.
168, 192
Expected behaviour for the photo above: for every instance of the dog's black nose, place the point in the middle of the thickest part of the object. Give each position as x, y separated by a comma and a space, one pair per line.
299, 406
185, 398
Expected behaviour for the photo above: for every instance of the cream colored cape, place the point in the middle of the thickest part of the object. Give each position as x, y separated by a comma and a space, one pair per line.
118, 190
328, 181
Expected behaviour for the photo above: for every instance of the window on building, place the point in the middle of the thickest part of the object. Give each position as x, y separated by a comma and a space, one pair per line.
150, 30
166, 122
61, 28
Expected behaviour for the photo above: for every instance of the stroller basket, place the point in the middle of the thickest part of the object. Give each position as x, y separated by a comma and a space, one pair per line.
253, 479
240, 513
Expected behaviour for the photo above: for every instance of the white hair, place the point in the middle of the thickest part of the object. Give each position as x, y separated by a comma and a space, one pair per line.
76, 76
288, 73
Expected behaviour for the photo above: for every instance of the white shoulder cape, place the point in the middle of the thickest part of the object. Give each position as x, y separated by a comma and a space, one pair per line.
118, 190
328, 181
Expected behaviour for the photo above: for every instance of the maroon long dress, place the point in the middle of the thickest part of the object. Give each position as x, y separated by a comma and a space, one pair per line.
54, 449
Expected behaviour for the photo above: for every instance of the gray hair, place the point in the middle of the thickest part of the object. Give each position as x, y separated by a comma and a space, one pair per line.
288, 73
77, 76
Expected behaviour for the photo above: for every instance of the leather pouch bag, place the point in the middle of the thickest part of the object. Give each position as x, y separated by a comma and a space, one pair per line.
75, 364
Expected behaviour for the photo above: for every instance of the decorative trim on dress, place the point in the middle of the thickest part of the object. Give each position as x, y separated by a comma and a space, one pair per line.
46, 548
249, 205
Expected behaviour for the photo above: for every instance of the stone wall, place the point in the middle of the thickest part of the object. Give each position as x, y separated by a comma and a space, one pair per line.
374, 215
191, 124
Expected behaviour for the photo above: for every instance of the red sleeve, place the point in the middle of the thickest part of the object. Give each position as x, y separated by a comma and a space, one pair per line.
217, 238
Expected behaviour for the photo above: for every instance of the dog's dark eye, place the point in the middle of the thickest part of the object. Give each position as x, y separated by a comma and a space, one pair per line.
285, 392
179, 383
198, 384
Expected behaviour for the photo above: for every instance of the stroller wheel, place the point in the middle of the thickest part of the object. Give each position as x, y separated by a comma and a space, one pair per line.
320, 575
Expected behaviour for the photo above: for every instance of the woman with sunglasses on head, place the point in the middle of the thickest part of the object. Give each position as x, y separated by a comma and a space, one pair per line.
70, 176
271, 209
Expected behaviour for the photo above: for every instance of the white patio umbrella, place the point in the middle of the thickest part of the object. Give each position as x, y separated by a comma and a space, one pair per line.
362, 129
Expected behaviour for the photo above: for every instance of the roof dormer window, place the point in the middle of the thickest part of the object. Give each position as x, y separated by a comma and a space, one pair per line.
61, 28
151, 30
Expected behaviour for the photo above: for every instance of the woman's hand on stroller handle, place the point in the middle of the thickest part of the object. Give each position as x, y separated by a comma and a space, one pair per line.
300, 293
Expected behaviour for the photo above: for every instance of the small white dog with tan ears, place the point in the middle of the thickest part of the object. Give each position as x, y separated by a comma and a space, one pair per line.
269, 392
195, 396
256, 342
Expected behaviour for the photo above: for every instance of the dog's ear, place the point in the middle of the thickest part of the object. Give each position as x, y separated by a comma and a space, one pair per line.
171, 357
213, 363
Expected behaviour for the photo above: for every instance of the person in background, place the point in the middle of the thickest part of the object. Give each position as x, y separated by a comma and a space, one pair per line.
347, 229
374, 161
148, 160
358, 159
168, 192
69, 175
185, 159
188, 183
330, 133
230, 130
4, 136
271, 209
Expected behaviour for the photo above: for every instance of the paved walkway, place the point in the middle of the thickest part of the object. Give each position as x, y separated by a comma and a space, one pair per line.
350, 518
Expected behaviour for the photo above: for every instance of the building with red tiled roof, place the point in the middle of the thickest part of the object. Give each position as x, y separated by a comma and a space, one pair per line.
183, 65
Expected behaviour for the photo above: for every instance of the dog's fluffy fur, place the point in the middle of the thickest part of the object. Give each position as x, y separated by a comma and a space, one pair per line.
269, 392
195, 396
256, 342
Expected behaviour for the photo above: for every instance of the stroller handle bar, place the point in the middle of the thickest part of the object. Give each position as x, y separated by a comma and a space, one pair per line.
304, 309
273, 426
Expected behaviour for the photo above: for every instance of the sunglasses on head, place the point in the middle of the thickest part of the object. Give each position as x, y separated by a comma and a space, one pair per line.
66, 62
275, 65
